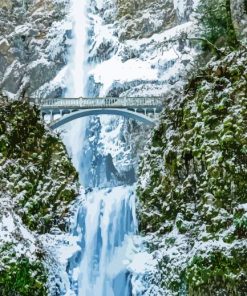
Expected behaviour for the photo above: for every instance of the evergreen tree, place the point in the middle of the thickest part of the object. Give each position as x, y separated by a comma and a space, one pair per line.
216, 23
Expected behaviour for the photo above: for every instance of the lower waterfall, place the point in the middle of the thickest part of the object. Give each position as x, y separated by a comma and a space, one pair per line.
104, 230
109, 222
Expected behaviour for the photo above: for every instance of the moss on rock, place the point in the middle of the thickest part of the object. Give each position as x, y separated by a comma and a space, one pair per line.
35, 168
218, 272
193, 178
38, 183
20, 275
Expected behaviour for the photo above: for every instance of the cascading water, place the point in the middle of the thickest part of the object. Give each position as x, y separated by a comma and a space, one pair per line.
77, 74
109, 221
105, 221
76, 77
104, 229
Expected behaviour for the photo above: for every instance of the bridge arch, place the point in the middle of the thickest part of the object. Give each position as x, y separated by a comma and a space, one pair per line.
90, 112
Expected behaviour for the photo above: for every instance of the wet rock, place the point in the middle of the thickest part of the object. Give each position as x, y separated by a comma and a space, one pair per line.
239, 13
6, 4
39, 74
12, 79
34, 31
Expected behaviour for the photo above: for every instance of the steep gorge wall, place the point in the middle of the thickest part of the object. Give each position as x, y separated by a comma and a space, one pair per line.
131, 37
192, 186
140, 42
239, 14
33, 36
139, 35
38, 184
142, 19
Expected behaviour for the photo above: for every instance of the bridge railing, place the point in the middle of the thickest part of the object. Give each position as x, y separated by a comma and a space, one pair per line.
107, 102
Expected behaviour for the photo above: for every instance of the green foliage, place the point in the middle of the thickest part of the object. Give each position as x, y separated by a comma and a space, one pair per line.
241, 226
193, 184
207, 275
216, 23
20, 276
35, 168
203, 161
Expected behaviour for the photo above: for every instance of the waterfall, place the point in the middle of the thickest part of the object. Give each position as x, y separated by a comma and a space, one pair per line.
76, 79
105, 222
109, 221
77, 65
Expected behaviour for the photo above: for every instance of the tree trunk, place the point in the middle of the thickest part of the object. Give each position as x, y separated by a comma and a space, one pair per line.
239, 17
233, 40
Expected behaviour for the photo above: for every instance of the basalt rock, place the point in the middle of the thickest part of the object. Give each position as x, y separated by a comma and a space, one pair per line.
32, 48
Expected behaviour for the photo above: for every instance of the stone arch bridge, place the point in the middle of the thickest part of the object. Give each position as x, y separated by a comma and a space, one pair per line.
60, 111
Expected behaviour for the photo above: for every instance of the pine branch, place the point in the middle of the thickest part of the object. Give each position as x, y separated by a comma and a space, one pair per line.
219, 51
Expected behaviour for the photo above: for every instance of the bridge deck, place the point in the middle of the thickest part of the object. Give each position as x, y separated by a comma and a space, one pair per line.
94, 103
68, 109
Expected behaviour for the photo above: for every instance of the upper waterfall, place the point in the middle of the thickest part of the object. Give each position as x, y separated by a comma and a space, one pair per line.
76, 78
76, 81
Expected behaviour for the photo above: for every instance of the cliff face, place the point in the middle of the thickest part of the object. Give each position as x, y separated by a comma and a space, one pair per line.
192, 186
239, 14
142, 19
32, 44
131, 37
38, 184
192, 180
141, 42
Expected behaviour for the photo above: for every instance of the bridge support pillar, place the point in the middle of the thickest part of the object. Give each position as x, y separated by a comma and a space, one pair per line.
61, 113
51, 116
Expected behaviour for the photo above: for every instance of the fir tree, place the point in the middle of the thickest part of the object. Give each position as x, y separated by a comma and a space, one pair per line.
216, 24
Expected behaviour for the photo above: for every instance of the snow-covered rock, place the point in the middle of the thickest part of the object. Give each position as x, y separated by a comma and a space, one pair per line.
33, 40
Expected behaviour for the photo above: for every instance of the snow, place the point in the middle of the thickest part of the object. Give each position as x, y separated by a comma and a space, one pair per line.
144, 68
243, 207
142, 262
22, 29
110, 134
13, 231
56, 37
121, 72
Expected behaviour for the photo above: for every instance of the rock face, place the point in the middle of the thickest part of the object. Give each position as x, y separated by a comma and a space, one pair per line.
32, 44
38, 184
239, 13
141, 42
143, 19
192, 186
